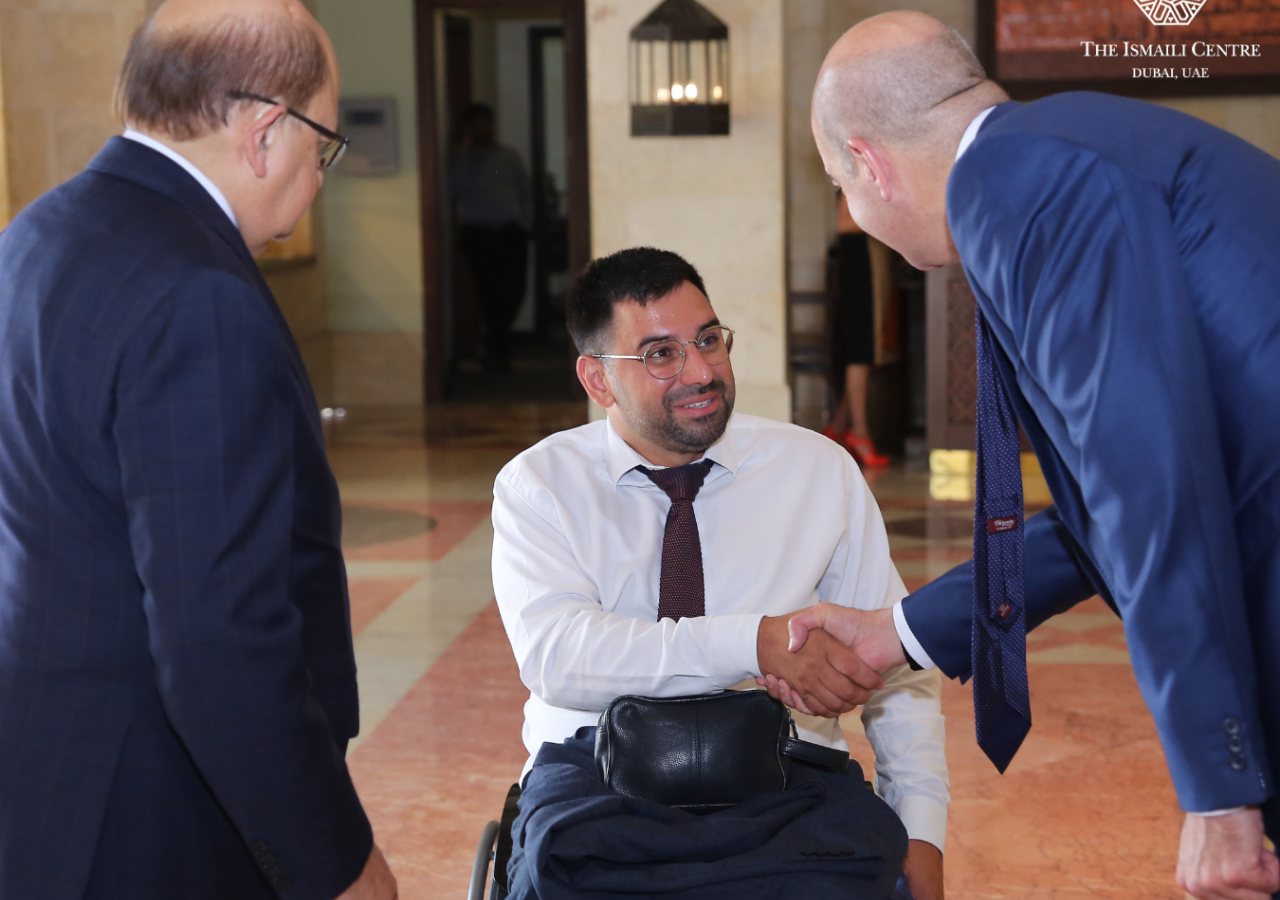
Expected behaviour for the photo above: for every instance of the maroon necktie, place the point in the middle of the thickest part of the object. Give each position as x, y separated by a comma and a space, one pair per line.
681, 594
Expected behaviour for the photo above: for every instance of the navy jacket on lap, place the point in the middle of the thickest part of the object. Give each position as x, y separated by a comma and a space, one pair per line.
177, 681
1126, 259
826, 837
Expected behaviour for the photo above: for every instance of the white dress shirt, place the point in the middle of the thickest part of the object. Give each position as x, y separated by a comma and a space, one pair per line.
186, 164
785, 520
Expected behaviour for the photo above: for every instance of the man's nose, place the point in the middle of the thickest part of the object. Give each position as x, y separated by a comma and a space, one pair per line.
696, 370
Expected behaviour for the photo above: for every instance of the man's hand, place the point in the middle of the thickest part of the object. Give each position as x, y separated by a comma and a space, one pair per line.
923, 869
869, 633
375, 883
1225, 858
828, 678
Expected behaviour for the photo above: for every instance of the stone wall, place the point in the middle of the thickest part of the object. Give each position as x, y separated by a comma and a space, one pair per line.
718, 201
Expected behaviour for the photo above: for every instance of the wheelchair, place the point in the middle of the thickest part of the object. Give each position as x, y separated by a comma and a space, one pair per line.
495, 849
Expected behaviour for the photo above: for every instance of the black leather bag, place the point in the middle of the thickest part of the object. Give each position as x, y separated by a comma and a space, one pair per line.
705, 752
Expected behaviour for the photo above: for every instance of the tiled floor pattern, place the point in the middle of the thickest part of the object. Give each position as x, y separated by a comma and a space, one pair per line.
1085, 811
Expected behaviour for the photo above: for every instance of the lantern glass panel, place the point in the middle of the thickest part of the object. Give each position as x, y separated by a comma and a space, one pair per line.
717, 72
650, 73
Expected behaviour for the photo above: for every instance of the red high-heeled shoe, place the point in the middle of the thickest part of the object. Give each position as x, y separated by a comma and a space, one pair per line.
864, 451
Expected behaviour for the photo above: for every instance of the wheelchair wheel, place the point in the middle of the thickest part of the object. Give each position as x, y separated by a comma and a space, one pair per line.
484, 856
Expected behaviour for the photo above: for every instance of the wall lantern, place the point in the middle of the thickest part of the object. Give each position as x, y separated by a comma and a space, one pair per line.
679, 72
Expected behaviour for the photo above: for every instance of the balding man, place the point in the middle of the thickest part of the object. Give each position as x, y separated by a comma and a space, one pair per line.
1124, 262
177, 684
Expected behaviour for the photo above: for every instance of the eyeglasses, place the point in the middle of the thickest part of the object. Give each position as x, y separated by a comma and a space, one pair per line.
332, 151
665, 359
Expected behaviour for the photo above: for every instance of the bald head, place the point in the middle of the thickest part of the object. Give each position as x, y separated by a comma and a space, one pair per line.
183, 62
900, 79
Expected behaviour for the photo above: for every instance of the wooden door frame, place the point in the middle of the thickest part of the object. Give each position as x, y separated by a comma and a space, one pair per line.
430, 119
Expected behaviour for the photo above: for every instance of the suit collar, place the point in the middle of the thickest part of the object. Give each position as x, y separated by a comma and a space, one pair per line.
143, 166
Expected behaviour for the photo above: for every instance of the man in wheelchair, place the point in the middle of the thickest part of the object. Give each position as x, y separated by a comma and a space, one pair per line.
660, 552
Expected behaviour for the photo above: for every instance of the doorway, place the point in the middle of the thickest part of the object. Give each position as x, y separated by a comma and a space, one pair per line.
521, 64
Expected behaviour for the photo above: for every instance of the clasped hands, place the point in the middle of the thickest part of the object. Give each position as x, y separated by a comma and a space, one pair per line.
827, 659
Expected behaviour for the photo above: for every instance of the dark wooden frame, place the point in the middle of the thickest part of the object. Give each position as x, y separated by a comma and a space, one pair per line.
537, 135
430, 118
1030, 90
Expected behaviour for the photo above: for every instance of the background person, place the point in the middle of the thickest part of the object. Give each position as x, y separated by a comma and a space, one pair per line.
494, 214
1123, 260
615, 581
857, 315
177, 683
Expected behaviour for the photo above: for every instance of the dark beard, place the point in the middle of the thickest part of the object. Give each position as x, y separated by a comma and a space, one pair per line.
695, 437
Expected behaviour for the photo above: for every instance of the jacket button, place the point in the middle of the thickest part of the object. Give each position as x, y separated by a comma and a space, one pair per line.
1238, 762
1235, 744
1231, 726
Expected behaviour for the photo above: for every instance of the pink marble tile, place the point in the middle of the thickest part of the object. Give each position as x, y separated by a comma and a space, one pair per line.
370, 596
440, 764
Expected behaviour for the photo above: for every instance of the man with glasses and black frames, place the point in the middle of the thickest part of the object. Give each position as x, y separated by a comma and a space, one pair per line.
659, 552
177, 681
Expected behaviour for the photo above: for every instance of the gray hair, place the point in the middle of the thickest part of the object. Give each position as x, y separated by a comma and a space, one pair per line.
178, 83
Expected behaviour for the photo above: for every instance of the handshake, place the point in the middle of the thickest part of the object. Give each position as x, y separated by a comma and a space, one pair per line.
827, 659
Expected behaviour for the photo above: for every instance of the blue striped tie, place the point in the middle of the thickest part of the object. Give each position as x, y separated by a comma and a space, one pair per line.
1001, 699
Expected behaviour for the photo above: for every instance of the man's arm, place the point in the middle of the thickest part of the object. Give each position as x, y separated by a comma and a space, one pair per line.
574, 655
204, 432
939, 615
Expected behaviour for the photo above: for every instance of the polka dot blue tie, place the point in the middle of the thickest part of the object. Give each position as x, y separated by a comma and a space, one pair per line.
681, 592
1001, 699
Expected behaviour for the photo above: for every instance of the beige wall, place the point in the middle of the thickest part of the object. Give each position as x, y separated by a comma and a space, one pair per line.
372, 244
58, 64
60, 59
719, 201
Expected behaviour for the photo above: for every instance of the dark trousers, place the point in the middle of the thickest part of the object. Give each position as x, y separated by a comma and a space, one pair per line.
498, 259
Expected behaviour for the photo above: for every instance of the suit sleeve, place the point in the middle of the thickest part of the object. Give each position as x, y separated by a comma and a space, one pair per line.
940, 614
1077, 264
204, 430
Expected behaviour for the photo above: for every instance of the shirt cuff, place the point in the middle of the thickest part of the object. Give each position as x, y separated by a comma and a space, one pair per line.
732, 648
909, 642
925, 819
1220, 812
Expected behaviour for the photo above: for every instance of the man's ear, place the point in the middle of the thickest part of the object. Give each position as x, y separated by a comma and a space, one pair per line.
261, 139
594, 381
872, 165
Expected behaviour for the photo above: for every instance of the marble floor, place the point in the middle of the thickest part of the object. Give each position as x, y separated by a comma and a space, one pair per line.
1085, 810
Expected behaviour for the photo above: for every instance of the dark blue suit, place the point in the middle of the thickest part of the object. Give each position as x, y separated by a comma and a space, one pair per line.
177, 681
1127, 258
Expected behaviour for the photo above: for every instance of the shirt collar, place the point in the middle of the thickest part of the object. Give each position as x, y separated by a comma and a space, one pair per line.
621, 458
972, 131
186, 164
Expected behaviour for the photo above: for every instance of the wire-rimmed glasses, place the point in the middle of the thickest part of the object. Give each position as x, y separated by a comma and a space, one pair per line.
665, 359
332, 151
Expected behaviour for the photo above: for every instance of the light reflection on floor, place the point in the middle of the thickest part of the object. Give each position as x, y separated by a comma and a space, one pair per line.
1086, 809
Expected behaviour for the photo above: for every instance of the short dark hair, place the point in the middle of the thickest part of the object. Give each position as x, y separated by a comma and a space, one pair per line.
475, 111
178, 83
638, 275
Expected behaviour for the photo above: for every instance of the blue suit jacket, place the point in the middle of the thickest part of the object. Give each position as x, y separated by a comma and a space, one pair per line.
1126, 259
177, 679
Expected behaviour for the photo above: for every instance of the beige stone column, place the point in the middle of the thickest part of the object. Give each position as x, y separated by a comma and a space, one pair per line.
718, 201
